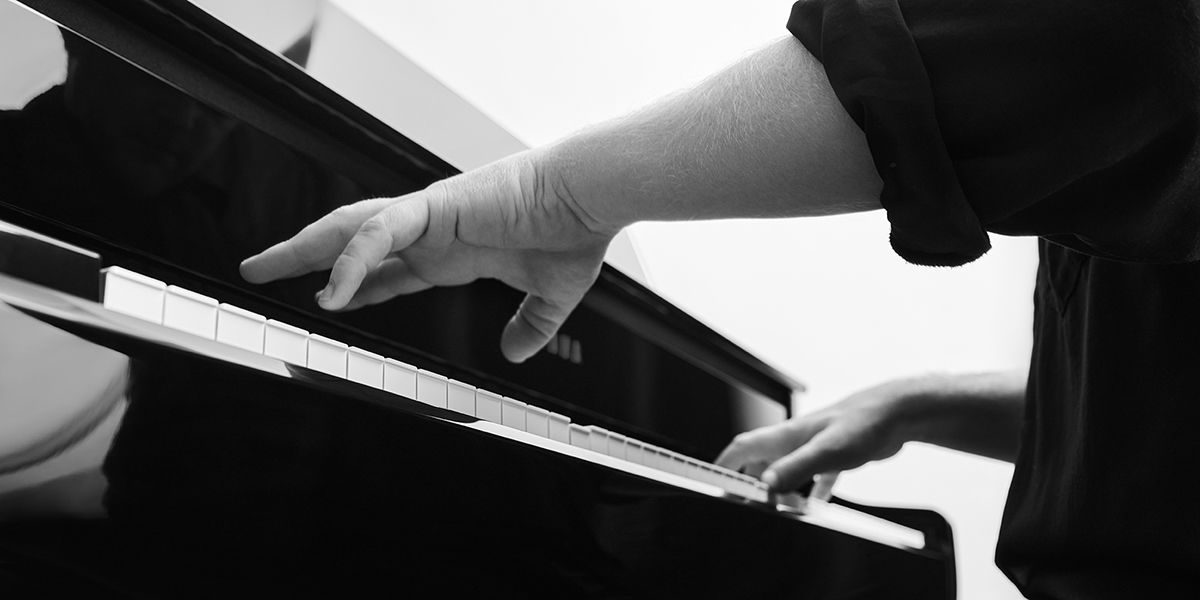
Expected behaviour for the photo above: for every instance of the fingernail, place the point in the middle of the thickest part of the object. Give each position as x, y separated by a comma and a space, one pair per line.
770, 478
324, 295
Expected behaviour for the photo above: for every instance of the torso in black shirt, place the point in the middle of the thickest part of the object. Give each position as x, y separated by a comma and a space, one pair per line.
1105, 501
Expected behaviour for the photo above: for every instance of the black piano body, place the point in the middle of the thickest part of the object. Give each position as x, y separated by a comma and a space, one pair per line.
174, 147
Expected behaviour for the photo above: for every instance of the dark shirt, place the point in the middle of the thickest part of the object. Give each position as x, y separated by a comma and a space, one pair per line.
1076, 122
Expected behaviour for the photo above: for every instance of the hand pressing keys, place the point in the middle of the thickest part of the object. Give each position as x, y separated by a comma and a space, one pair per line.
510, 220
810, 450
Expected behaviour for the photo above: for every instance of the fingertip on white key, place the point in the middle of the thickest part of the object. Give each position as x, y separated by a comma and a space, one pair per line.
325, 297
770, 478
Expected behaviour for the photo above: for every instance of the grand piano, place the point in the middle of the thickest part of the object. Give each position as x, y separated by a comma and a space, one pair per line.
169, 431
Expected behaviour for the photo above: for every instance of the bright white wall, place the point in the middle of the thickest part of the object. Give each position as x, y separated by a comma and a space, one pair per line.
826, 299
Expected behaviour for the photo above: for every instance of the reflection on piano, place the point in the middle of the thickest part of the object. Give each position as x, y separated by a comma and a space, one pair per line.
168, 431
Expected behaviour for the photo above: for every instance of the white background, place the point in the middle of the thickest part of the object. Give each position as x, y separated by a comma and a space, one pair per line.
823, 299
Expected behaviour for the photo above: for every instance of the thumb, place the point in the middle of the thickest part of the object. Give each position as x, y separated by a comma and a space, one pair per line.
536, 321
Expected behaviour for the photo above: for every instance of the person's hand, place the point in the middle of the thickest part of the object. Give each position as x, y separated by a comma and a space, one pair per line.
869, 425
510, 221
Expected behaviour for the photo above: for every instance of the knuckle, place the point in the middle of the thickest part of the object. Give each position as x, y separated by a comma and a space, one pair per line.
742, 440
348, 263
441, 213
341, 220
376, 227
437, 196
540, 323
842, 453
342, 215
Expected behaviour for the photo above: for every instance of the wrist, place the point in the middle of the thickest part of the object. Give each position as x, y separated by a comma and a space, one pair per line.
916, 407
596, 173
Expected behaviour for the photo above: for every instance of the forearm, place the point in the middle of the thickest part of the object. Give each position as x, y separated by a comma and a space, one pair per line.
765, 137
976, 413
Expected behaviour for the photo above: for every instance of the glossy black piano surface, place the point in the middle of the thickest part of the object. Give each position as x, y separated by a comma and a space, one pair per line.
150, 136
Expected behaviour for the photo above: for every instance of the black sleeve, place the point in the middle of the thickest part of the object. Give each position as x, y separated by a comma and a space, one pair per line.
1074, 120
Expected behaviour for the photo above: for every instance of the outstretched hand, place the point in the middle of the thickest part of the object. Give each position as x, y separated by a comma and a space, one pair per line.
510, 221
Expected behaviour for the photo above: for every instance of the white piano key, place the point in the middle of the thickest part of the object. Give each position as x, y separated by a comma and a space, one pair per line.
682, 467
286, 343
661, 460
748, 483
676, 465
741, 479
431, 388
327, 356
726, 481
731, 479
658, 458
579, 436
689, 469
537, 421
598, 438
560, 428
665, 463
512, 413
632, 447
733, 485
489, 406
400, 378
133, 294
760, 492
365, 367
750, 491
723, 472
190, 312
653, 456
743, 489
634, 452
707, 475
460, 397
710, 475
240, 328
616, 445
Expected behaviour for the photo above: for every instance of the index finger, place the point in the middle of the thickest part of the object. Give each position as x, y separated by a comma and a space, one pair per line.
313, 248
765, 444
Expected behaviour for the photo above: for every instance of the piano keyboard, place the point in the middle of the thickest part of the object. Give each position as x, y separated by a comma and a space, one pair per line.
149, 299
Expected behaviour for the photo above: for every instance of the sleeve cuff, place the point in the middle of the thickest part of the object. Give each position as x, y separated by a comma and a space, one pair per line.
878, 75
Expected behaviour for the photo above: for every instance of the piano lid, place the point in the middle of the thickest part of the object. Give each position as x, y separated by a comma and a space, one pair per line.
345, 55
